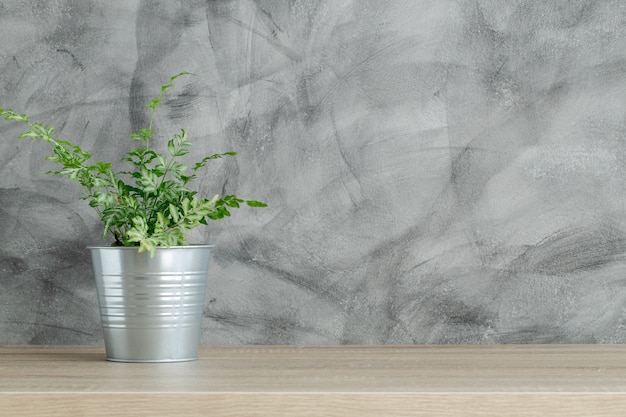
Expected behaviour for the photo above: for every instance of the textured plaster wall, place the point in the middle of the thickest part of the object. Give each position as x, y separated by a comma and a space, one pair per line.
438, 171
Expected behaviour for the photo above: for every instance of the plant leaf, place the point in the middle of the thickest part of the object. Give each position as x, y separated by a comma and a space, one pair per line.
254, 203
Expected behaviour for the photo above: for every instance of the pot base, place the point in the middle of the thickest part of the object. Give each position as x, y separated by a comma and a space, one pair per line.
152, 361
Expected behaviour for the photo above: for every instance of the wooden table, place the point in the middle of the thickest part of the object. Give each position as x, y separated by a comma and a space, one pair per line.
277, 381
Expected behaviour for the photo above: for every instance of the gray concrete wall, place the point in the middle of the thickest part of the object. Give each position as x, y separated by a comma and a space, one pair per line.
438, 171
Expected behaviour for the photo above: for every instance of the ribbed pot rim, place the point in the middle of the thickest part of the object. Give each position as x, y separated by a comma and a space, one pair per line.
108, 247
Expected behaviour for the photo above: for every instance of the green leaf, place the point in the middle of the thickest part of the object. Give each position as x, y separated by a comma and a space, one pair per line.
30, 134
185, 205
254, 203
148, 180
180, 74
155, 102
143, 135
232, 201
208, 158
174, 213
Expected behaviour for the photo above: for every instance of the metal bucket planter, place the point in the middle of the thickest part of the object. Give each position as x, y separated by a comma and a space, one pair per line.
151, 308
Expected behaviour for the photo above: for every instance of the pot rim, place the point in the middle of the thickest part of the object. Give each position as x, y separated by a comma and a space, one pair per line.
191, 246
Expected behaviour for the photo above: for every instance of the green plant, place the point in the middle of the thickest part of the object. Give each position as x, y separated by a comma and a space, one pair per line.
154, 206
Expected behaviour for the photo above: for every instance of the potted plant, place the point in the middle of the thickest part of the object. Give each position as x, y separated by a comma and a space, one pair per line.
150, 281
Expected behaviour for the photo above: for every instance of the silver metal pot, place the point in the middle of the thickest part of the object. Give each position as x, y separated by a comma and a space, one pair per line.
151, 308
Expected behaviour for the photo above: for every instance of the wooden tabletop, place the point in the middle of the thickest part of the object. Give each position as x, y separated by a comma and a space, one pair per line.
276, 381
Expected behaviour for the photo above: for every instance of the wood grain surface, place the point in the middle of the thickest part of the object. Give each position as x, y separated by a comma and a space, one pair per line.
493, 380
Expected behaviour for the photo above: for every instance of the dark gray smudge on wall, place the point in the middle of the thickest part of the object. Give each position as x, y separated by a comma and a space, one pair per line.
437, 171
